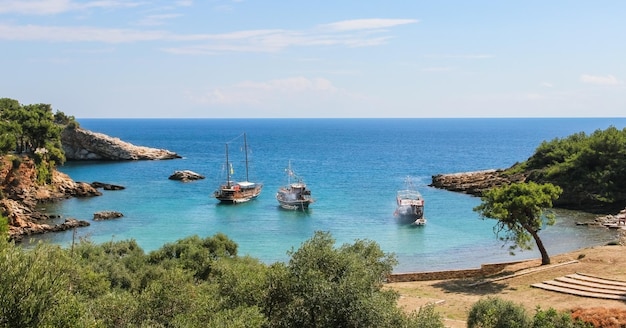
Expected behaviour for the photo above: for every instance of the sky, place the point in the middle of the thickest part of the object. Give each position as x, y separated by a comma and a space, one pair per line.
315, 59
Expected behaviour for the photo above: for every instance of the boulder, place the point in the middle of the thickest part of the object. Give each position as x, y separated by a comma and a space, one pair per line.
106, 215
106, 186
186, 176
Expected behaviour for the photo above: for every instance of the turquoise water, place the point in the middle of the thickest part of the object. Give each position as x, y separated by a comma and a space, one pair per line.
352, 166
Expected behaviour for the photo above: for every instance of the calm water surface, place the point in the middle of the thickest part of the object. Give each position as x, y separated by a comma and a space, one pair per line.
352, 166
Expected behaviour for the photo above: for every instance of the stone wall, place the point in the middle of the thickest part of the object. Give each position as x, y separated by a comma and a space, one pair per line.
484, 271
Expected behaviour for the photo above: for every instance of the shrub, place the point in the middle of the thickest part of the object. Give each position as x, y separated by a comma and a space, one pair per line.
493, 312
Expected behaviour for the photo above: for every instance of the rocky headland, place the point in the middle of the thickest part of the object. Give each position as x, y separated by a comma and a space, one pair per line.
476, 182
80, 144
23, 199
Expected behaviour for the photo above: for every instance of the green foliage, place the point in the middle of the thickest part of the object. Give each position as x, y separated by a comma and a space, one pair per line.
493, 312
115, 284
591, 168
35, 288
62, 119
4, 228
519, 209
426, 317
31, 128
552, 319
195, 254
324, 286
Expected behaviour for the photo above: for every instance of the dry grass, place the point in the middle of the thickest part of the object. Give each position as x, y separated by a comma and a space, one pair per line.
454, 298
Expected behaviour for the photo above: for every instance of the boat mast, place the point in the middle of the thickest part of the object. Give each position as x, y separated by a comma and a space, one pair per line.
245, 147
227, 168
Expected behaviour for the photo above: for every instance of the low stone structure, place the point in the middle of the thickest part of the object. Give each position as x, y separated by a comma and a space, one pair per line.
83, 145
186, 176
485, 270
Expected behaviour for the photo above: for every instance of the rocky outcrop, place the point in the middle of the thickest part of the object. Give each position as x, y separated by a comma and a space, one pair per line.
186, 176
107, 186
22, 194
475, 183
106, 215
83, 145
24, 221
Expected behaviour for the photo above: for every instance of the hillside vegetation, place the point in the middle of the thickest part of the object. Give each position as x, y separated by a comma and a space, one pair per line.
591, 169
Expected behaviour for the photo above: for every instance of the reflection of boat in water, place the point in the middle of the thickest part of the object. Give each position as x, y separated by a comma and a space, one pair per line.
410, 204
233, 192
295, 195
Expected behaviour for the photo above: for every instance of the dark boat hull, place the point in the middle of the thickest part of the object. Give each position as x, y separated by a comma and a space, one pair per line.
236, 196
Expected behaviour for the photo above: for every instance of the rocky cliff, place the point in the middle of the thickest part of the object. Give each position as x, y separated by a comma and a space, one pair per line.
22, 196
80, 144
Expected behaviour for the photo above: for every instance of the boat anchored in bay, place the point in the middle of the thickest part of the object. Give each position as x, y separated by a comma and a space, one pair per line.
295, 195
232, 192
410, 204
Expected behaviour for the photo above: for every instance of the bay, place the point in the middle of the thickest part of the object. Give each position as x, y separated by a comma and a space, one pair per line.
352, 166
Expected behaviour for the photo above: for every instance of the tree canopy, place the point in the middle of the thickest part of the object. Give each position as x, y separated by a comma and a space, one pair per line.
200, 282
520, 211
32, 128
591, 169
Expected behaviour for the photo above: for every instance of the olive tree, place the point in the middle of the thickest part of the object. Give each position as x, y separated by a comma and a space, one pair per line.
520, 211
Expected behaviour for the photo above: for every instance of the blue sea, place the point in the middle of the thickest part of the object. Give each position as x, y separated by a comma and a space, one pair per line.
352, 166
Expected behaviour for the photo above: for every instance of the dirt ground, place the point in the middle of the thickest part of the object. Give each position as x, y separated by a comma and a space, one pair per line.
454, 297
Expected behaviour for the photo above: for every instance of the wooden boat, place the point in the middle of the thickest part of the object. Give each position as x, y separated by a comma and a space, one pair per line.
410, 204
295, 195
232, 192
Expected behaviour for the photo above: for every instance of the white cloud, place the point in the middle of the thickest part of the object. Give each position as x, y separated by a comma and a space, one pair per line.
463, 56
53, 7
78, 34
547, 84
366, 24
600, 80
238, 41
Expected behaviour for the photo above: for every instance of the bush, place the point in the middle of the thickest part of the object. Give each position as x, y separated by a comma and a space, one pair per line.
494, 312
553, 319
601, 317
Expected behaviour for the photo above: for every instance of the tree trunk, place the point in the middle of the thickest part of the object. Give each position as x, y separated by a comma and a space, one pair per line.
545, 259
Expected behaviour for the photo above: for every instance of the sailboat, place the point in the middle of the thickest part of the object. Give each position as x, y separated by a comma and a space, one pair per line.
295, 195
232, 192
410, 204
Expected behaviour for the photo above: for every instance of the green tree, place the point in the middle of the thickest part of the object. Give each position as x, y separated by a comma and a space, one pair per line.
590, 168
35, 289
520, 211
324, 286
494, 312
195, 253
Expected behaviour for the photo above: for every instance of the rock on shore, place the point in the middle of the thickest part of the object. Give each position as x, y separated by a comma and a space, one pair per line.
80, 145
